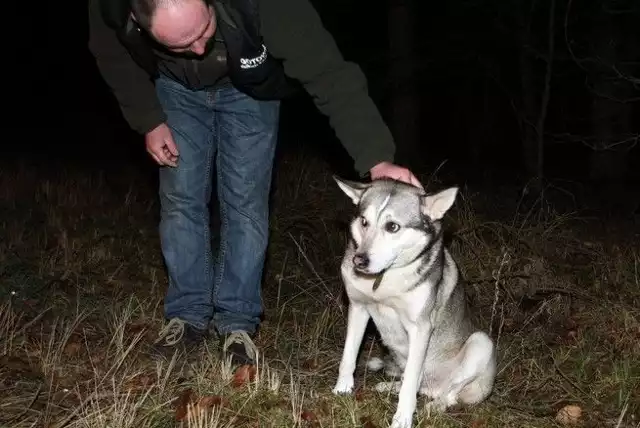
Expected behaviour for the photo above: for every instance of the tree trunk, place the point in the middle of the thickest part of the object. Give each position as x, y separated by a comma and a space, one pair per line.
404, 97
535, 112
610, 115
529, 98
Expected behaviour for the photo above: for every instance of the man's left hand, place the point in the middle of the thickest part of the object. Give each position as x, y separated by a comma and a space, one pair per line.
387, 169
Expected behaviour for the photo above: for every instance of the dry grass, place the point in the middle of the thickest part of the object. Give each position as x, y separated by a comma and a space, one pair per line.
82, 282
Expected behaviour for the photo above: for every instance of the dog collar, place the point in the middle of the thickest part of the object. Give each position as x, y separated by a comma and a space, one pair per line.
377, 281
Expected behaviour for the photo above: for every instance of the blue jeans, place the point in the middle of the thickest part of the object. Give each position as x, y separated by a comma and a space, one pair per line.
224, 132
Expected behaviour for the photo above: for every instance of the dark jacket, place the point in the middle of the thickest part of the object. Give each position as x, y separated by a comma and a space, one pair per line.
298, 48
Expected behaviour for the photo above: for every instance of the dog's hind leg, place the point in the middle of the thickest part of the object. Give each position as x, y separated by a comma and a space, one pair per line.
471, 376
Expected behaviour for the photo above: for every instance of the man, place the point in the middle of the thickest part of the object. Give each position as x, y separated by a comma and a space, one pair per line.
203, 81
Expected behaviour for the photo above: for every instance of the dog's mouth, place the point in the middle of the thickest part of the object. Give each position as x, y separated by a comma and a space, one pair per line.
366, 272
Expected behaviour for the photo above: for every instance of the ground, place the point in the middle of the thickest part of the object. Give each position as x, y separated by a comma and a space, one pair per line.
82, 281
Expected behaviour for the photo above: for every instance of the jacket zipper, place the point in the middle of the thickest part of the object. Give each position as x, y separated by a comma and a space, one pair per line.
195, 72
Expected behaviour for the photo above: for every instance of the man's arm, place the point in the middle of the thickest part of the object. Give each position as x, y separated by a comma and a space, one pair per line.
294, 33
129, 83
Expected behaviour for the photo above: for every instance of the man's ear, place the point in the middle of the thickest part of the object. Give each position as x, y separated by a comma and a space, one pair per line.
436, 206
352, 189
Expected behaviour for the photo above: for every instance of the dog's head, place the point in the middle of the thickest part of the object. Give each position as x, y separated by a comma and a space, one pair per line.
395, 223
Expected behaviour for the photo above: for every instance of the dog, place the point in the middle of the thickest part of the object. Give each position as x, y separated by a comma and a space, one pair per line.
398, 273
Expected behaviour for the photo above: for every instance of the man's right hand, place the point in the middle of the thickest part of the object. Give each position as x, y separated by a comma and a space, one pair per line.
161, 147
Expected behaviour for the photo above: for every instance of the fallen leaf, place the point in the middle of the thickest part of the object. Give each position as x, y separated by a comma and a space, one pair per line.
244, 422
323, 406
211, 401
275, 402
569, 415
360, 394
16, 364
140, 382
32, 303
72, 349
97, 357
367, 422
478, 423
243, 374
310, 364
182, 403
137, 327
308, 416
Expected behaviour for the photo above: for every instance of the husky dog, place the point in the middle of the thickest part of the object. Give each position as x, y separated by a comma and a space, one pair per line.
397, 272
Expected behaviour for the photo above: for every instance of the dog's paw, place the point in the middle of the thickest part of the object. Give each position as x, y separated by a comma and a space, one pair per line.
402, 420
392, 386
435, 406
344, 385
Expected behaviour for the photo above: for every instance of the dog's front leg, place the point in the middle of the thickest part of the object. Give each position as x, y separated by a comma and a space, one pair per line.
357, 320
419, 336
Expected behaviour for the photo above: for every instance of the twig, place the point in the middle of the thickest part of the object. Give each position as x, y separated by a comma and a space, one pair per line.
26, 409
498, 276
313, 269
623, 412
546, 94
572, 383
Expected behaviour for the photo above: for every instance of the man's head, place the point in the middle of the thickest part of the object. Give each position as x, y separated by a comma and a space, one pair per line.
182, 26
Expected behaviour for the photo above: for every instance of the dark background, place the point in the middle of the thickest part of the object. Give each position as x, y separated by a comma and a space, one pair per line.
462, 64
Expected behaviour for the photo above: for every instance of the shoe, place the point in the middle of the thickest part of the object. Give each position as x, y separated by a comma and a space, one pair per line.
178, 334
240, 347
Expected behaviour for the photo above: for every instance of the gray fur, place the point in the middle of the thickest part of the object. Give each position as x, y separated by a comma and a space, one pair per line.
417, 303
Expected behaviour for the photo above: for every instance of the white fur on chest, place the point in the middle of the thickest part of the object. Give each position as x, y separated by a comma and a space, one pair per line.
396, 290
416, 306
394, 307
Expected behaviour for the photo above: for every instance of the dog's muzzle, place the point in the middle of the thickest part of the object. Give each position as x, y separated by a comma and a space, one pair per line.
361, 261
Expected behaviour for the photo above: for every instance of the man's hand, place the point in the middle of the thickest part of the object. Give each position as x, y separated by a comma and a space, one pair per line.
387, 169
161, 147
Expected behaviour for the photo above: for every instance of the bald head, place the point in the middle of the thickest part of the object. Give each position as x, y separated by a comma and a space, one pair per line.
179, 25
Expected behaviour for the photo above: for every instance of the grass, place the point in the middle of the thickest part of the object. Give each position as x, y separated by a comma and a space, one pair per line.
82, 282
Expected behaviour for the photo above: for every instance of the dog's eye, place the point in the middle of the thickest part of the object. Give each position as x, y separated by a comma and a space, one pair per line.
364, 222
392, 227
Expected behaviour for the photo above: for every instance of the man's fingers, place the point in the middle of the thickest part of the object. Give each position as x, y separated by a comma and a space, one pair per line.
161, 147
395, 172
171, 146
169, 155
167, 161
170, 152
408, 177
415, 181
161, 157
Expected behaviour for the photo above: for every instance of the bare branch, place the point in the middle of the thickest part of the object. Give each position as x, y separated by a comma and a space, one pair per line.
596, 144
635, 81
546, 94
611, 97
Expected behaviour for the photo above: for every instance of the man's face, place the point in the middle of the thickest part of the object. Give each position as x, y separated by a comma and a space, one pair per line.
185, 27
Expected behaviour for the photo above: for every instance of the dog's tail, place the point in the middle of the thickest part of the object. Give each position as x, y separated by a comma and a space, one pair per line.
375, 364
391, 369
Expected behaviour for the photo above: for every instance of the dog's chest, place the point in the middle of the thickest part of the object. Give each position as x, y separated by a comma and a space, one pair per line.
390, 324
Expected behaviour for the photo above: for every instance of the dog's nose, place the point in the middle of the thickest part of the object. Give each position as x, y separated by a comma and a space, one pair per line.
361, 261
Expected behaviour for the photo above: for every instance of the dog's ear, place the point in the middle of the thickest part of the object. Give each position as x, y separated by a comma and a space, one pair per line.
352, 189
436, 206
